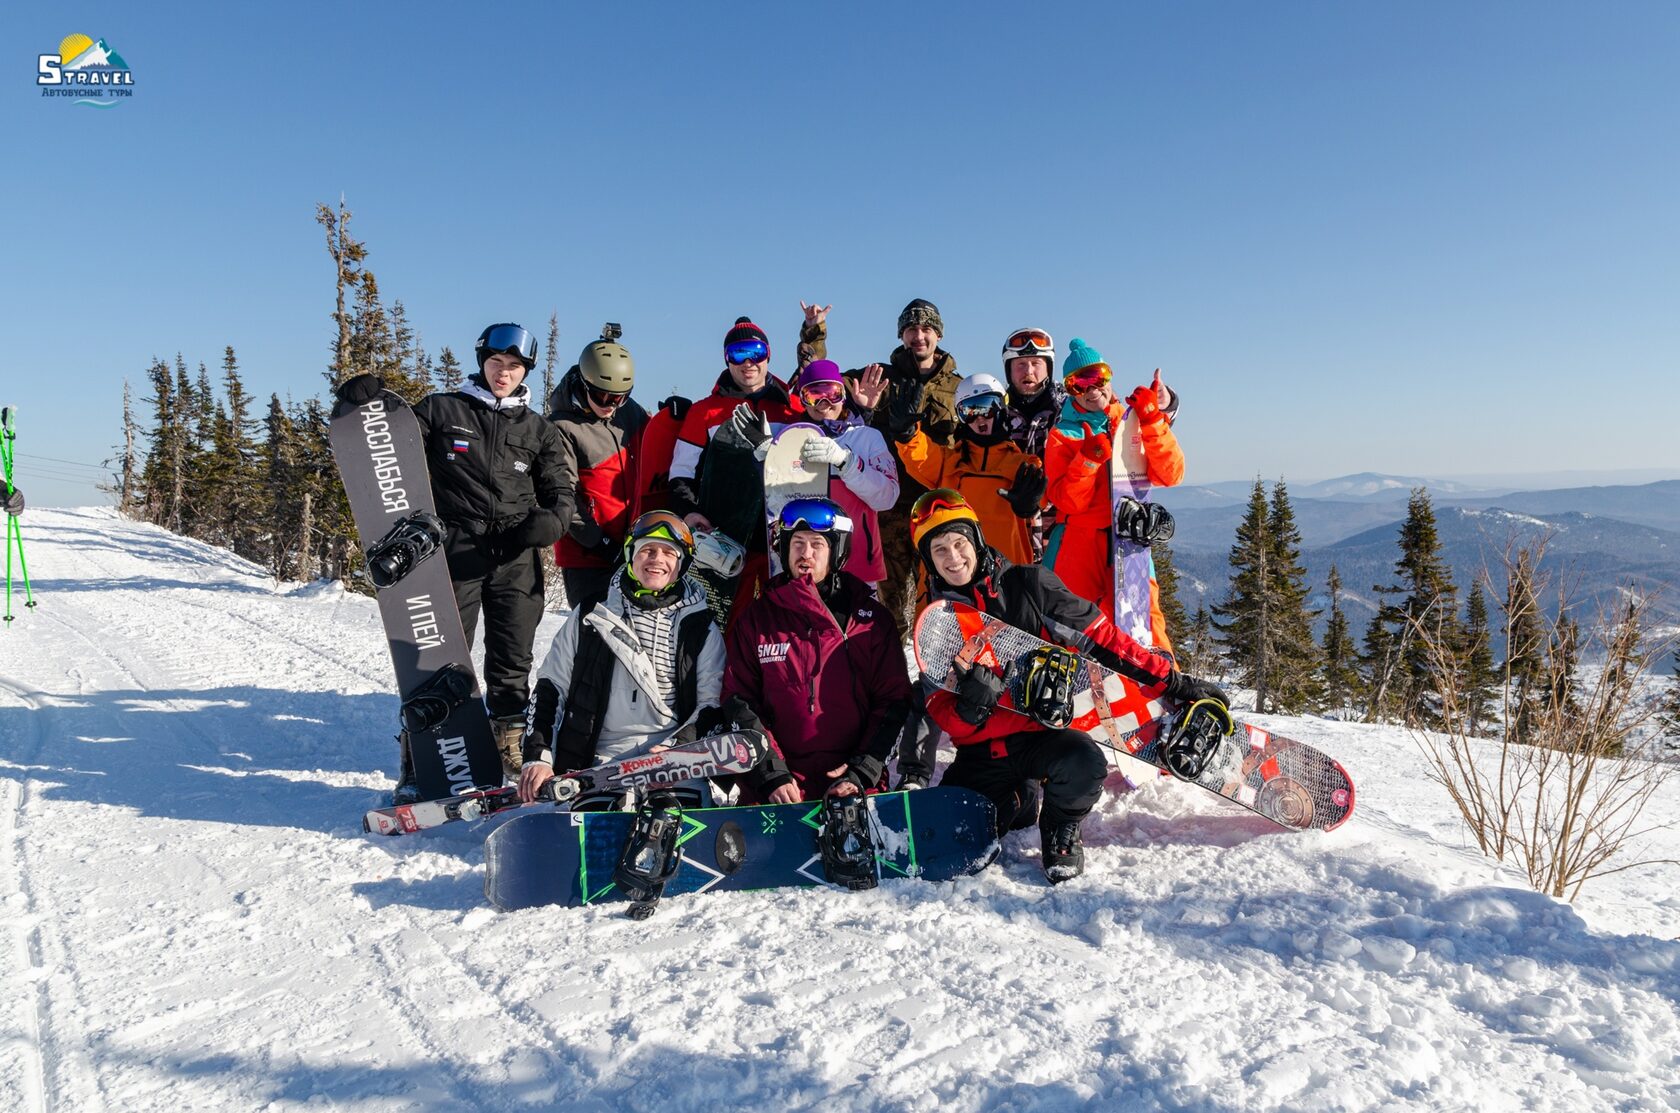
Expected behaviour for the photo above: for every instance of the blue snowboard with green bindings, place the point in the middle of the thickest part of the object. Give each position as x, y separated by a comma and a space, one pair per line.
569, 858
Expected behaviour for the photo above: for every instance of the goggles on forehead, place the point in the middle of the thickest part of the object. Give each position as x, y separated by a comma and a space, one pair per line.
1095, 375
813, 514
512, 339
981, 405
1029, 342
660, 525
940, 498
827, 391
746, 351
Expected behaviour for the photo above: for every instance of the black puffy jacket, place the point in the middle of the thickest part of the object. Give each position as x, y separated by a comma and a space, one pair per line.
492, 462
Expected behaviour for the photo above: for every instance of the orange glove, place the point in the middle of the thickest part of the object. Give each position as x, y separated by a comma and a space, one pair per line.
1096, 446
1142, 400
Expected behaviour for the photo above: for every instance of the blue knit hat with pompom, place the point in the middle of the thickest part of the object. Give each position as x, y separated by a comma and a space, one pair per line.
1080, 354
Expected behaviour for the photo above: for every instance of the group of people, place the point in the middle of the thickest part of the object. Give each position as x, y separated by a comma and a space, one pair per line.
991, 489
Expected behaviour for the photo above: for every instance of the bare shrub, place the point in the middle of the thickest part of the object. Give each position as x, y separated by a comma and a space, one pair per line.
1561, 790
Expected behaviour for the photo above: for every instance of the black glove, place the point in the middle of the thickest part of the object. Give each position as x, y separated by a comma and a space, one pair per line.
754, 428
11, 499
593, 538
1027, 491
904, 408
865, 772
978, 692
540, 527
1188, 689
360, 390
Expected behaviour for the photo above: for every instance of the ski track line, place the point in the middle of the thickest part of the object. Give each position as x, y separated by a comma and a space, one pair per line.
34, 950
379, 683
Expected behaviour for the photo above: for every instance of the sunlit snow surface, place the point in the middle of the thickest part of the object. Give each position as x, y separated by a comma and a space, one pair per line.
191, 919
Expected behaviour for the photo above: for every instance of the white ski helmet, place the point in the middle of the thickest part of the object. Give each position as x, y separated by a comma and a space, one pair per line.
975, 386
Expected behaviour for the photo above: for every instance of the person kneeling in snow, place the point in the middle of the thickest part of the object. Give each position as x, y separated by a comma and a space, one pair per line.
1004, 756
818, 659
635, 667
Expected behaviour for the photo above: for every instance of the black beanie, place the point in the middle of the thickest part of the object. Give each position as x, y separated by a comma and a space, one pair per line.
744, 329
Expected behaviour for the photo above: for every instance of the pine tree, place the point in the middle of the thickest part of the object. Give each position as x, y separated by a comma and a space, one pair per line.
128, 468
1244, 619
1524, 670
233, 457
1378, 659
1478, 683
1198, 655
347, 255
1296, 684
1669, 716
1341, 672
551, 359
1429, 605
277, 465
1166, 583
449, 375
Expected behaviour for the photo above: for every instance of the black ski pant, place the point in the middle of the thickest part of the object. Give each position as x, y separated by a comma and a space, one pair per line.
510, 594
1070, 766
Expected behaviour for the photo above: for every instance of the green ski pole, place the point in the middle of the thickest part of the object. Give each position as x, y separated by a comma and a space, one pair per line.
14, 531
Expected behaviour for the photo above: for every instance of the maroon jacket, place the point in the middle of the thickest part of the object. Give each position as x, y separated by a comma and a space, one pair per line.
826, 690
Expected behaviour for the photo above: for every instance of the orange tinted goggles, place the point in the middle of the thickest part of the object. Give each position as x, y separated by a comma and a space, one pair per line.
941, 498
1094, 375
1029, 338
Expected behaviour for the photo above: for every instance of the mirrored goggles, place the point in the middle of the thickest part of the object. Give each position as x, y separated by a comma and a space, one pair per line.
511, 339
1029, 342
981, 405
940, 498
823, 392
747, 351
1088, 378
660, 525
814, 514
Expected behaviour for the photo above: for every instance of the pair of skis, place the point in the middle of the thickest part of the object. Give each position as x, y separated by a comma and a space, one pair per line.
719, 755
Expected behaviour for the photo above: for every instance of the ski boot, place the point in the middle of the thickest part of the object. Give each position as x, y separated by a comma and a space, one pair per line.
650, 857
510, 743
408, 788
847, 843
408, 543
1195, 738
1063, 850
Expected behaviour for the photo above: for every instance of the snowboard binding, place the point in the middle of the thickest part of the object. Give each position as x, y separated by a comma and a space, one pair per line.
1142, 522
408, 543
1046, 677
1193, 741
847, 843
435, 700
650, 857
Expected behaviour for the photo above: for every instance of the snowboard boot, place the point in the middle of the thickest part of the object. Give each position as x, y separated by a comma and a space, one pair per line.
408, 788
510, 743
1026, 806
1062, 849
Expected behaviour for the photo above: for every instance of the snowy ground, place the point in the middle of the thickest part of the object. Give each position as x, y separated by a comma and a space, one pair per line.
191, 919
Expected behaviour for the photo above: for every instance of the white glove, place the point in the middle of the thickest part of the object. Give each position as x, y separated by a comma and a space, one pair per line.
825, 450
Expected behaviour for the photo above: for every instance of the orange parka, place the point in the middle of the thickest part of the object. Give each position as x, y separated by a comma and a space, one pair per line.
977, 472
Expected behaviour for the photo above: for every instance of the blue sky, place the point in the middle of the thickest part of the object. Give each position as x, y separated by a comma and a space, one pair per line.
1420, 238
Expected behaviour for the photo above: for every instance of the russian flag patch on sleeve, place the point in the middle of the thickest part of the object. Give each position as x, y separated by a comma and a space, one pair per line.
459, 444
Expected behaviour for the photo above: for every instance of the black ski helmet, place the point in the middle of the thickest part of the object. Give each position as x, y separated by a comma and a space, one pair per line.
506, 338
817, 515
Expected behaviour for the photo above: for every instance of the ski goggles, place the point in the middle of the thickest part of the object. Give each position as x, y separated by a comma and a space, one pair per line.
660, 525
511, 339
606, 399
814, 514
746, 351
935, 501
1029, 342
1088, 378
981, 405
823, 393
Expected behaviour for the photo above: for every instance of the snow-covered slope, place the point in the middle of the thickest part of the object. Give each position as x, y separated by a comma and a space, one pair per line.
191, 919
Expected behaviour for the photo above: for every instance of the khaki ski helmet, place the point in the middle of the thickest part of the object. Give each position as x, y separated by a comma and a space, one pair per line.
606, 365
